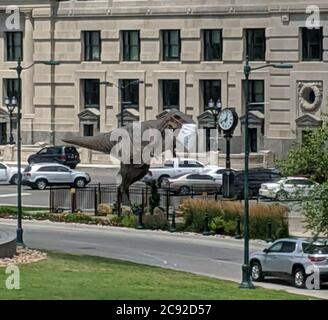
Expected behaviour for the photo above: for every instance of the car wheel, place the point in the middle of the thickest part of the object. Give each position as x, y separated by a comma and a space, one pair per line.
41, 184
299, 277
256, 271
80, 182
14, 179
184, 190
282, 196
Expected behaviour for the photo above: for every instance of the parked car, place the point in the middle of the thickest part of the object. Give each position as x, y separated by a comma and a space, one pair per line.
290, 258
66, 155
41, 175
193, 182
172, 168
8, 174
287, 188
217, 173
256, 177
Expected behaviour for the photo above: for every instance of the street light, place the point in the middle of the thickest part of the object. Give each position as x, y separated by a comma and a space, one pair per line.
246, 280
11, 104
19, 69
121, 87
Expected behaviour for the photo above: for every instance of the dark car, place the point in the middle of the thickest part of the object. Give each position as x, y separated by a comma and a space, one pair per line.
66, 155
255, 178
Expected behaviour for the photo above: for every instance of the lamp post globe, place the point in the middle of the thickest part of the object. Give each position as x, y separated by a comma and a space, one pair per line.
11, 104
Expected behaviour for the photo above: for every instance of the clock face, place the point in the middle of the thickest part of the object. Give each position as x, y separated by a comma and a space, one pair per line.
226, 120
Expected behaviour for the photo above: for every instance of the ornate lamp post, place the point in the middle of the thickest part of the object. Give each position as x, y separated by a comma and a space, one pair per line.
11, 104
215, 109
19, 69
246, 279
121, 87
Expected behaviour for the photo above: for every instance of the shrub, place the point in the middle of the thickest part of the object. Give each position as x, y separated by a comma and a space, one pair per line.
217, 224
129, 221
158, 222
227, 211
104, 209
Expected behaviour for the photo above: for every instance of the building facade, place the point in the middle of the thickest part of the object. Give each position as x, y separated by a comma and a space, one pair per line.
150, 55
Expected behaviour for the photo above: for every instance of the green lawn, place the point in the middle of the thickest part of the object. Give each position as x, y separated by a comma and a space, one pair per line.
64, 276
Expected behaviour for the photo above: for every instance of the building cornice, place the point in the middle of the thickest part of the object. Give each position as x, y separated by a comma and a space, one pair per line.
171, 8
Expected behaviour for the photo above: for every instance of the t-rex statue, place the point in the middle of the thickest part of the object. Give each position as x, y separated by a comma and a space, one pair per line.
132, 172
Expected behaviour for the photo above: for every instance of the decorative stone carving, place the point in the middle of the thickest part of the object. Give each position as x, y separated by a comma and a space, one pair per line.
310, 95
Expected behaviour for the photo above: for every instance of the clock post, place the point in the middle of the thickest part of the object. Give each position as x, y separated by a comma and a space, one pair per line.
228, 120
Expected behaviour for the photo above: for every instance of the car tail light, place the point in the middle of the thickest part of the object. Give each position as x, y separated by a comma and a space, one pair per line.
28, 174
62, 157
150, 173
316, 259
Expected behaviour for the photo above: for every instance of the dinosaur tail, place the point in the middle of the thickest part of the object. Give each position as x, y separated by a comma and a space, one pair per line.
98, 143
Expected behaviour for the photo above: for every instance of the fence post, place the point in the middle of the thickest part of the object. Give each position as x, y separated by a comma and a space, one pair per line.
206, 231
238, 230
167, 204
51, 207
143, 201
173, 225
99, 193
119, 204
216, 196
73, 199
269, 231
140, 225
95, 200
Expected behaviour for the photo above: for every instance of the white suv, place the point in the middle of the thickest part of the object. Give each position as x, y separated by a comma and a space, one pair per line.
41, 175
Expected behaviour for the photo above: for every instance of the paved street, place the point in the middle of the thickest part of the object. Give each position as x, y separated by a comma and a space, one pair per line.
211, 256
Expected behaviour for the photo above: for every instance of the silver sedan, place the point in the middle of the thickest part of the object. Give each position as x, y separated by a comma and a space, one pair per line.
193, 183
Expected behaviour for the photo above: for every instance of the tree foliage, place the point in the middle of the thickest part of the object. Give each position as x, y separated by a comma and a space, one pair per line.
316, 211
309, 158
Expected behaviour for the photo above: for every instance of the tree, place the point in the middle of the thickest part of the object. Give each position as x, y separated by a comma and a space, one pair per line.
316, 211
309, 158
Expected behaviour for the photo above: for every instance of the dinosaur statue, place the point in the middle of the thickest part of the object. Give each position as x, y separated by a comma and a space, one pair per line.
132, 172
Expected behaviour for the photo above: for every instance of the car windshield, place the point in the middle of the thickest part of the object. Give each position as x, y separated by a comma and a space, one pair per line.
315, 248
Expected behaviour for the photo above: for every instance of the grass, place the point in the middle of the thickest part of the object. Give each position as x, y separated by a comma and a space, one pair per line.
64, 276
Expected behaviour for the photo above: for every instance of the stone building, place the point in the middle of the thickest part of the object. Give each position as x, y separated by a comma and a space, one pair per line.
152, 55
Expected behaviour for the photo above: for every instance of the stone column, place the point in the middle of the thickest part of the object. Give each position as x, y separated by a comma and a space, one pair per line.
27, 80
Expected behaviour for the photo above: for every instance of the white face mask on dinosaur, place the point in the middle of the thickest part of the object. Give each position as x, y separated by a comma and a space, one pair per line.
187, 138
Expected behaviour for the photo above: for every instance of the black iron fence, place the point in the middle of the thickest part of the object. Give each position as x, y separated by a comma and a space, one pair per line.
90, 197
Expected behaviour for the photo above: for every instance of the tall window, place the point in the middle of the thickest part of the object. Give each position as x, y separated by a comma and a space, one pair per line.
92, 45
14, 45
91, 93
11, 88
312, 40
211, 90
171, 45
212, 45
256, 95
255, 44
131, 45
130, 93
88, 130
171, 94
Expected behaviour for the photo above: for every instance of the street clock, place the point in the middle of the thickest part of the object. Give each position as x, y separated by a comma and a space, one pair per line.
228, 120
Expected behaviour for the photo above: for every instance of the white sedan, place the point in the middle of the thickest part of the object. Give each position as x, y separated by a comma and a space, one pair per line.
8, 174
287, 188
